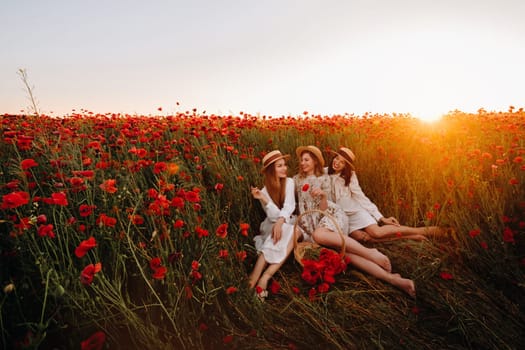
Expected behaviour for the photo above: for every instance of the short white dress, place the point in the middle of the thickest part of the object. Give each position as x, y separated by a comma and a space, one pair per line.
361, 211
305, 202
276, 253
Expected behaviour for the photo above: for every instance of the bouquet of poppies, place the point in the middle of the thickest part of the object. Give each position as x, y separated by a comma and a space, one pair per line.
321, 270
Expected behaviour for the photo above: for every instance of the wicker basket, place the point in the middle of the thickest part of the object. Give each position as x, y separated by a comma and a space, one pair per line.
303, 248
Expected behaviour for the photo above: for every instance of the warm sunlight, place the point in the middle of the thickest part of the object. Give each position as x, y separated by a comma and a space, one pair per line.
428, 116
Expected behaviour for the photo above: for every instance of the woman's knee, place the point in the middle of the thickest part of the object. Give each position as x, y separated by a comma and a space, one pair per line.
374, 231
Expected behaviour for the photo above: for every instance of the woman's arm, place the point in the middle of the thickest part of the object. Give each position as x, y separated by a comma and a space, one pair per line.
289, 200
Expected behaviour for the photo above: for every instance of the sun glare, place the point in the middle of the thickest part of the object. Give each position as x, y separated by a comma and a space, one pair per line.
428, 117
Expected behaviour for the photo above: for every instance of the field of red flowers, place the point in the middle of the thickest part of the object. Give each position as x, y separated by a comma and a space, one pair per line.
121, 231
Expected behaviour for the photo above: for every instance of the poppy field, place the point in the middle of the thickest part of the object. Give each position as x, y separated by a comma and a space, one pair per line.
123, 231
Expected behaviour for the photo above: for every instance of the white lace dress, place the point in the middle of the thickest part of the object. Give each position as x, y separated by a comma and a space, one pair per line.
276, 253
305, 202
361, 211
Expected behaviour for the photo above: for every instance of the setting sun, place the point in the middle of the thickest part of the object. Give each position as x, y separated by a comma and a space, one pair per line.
429, 116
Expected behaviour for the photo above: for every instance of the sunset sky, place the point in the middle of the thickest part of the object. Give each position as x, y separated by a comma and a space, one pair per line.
268, 57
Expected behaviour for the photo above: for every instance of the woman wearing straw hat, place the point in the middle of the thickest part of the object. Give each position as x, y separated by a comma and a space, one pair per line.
312, 188
274, 243
363, 215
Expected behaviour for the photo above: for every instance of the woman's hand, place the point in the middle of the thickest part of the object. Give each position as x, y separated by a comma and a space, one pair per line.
256, 193
317, 192
390, 221
277, 230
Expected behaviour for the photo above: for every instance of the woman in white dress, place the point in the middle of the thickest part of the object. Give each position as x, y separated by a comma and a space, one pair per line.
312, 187
274, 243
363, 215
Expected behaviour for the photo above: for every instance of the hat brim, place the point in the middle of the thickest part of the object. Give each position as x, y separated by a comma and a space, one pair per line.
284, 156
344, 158
315, 151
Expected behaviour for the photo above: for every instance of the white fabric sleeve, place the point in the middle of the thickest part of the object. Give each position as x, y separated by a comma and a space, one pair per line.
272, 210
362, 199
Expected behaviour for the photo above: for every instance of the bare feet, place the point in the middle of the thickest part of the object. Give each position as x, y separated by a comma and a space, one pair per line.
404, 284
381, 259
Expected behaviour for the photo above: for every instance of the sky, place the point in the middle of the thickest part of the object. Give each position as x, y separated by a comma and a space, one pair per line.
275, 57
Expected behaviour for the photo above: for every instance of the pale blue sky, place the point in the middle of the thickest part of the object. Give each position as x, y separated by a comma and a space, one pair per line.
269, 57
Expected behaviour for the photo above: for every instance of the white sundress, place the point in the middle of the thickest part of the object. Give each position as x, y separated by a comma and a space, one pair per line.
309, 222
276, 253
361, 211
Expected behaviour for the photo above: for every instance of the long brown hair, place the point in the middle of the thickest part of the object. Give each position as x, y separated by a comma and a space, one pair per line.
275, 186
346, 173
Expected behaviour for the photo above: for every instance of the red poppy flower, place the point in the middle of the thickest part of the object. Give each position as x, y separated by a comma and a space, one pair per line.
241, 255
244, 229
508, 235
46, 230
85, 246
446, 276
192, 196
201, 232
15, 199
86, 210
154, 263
136, 219
86, 276
312, 294
275, 287
89, 174
474, 233
160, 167
94, 342
28, 163
223, 253
104, 220
323, 287
231, 290
160, 273
305, 187
109, 186
227, 339
57, 198
178, 223
222, 230
177, 202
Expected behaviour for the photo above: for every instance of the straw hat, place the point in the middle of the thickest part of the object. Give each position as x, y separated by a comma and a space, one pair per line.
272, 157
312, 149
347, 155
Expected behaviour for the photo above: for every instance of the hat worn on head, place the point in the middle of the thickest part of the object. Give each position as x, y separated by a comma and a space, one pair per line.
347, 155
272, 157
312, 149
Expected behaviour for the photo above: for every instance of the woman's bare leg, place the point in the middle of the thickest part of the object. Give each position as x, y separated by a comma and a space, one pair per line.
260, 264
363, 236
260, 278
324, 236
377, 271
378, 232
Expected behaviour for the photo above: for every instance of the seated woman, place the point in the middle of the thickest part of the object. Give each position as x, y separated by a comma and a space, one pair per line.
274, 243
363, 215
312, 187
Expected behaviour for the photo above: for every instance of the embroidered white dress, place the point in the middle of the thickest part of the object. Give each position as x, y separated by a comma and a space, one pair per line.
309, 222
276, 253
361, 211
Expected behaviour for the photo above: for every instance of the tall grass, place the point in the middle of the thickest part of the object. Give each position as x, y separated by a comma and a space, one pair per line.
178, 179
